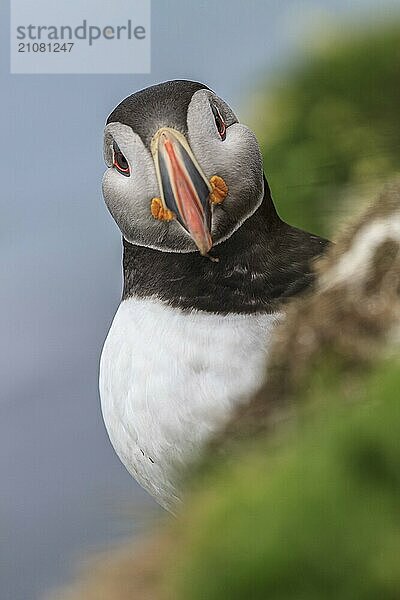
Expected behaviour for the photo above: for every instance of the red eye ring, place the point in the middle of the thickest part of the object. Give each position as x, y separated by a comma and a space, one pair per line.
219, 121
119, 167
119, 161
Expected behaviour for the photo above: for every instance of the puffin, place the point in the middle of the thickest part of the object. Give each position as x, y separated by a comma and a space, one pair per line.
208, 267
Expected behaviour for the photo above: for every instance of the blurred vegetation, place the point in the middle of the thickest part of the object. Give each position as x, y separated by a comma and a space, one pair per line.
330, 127
318, 517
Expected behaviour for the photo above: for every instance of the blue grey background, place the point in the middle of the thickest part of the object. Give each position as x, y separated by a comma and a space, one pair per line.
63, 491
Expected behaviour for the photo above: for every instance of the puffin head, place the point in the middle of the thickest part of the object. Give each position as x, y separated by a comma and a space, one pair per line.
183, 174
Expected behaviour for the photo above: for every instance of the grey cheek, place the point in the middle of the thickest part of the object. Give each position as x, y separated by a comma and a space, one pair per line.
116, 196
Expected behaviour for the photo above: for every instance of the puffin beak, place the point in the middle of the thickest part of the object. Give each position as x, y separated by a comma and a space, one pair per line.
184, 188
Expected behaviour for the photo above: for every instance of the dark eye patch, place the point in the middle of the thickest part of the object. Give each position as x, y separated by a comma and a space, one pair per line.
119, 161
219, 121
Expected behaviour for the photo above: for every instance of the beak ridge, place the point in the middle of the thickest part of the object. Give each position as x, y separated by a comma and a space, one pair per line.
183, 186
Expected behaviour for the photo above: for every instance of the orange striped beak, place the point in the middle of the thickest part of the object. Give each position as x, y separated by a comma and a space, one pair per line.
184, 188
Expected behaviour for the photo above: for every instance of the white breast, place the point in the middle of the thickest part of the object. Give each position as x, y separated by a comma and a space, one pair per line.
169, 379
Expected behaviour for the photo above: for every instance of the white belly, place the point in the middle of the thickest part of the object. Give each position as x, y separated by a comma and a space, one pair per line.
169, 379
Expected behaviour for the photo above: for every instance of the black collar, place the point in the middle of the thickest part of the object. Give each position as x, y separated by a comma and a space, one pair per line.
265, 262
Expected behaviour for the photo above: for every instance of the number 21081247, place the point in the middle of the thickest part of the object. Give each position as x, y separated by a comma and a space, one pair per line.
45, 47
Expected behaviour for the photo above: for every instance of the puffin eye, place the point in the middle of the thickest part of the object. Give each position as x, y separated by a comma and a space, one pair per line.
219, 121
120, 162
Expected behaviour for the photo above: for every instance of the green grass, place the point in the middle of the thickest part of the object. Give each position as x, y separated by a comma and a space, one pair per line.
332, 127
315, 516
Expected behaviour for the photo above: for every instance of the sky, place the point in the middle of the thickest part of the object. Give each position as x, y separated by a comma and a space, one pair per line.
63, 491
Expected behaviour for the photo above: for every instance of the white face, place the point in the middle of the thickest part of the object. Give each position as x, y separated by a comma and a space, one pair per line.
234, 156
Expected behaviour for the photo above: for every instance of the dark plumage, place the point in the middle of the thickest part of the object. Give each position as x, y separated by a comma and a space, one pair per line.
151, 103
265, 262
